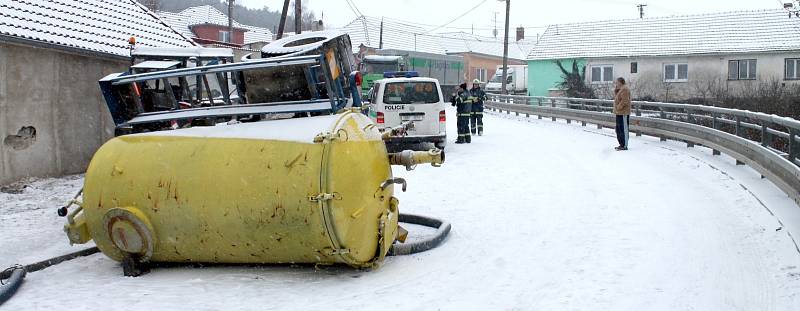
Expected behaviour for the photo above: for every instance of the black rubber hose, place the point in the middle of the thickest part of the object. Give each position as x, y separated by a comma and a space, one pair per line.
442, 230
13, 282
16, 274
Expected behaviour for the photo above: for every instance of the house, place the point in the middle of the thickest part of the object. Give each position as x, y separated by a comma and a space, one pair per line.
208, 26
52, 53
671, 58
481, 55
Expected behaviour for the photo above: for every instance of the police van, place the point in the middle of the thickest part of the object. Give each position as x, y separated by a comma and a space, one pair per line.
404, 96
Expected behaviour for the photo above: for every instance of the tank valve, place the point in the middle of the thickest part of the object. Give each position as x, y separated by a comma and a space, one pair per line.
410, 159
398, 131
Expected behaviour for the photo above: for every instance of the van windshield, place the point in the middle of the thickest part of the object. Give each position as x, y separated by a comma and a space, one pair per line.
411, 93
380, 67
496, 79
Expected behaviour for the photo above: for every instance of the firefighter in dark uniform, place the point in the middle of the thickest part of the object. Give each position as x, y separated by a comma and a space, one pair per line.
463, 103
476, 119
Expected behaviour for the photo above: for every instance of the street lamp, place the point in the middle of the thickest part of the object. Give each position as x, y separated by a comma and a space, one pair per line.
504, 90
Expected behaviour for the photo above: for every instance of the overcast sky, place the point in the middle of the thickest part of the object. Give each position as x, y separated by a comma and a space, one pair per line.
527, 13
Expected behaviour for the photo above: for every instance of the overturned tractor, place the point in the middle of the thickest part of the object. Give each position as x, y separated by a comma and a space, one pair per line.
263, 161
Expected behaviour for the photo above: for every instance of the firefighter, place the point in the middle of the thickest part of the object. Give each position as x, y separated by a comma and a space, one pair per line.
463, 103
476, 119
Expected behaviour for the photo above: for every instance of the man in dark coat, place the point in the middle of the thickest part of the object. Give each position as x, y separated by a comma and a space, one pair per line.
476, 119
463, 103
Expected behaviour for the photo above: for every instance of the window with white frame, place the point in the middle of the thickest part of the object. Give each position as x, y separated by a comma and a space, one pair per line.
744, 69
481, 74
602, 73
676, 72
224, 36
792, 69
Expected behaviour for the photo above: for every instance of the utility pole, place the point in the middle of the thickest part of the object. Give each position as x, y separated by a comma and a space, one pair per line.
298, 17
505, 48
380, 42
641, 10
230, 21
494, 32
282, 25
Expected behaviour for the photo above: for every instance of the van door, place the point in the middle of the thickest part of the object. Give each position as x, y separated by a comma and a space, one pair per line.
417, 101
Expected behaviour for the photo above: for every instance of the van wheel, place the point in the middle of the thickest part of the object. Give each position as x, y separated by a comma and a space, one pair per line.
440, 145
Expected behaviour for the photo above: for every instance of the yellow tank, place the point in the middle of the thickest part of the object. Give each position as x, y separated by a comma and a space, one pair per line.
309, 190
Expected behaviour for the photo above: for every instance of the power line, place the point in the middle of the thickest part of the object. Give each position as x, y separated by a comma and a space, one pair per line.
352, 2
457, 18
352, 9
424, 25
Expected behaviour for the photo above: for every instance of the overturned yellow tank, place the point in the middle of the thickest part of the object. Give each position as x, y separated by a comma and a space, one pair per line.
308, 190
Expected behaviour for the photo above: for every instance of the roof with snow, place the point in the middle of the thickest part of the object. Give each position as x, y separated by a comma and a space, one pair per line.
396, 35
405, 36
209, 15
462, 42
718, 33
100, 26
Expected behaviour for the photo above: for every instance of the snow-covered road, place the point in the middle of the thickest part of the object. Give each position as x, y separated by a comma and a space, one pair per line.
546, 216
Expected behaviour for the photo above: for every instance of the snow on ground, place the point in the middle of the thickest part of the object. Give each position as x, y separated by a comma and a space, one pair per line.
546, 216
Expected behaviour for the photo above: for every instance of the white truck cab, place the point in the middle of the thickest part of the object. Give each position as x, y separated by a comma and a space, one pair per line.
393, 101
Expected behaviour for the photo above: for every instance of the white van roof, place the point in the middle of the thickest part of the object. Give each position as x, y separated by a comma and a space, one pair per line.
415, 79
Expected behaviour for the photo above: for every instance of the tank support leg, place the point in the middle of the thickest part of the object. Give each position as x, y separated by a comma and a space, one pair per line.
132, 266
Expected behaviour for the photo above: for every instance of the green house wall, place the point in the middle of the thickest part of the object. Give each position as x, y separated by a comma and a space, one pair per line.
544, 75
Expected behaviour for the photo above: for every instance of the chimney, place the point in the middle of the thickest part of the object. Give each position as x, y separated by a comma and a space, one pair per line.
520, 33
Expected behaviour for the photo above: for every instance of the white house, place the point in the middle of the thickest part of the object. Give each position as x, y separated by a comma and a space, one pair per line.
673, 57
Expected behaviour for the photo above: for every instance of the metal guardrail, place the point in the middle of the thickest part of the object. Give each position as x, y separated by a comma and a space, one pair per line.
768, 143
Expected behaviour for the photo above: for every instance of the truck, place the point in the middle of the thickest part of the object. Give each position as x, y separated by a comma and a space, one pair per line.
448, 69
374, 66
516, 80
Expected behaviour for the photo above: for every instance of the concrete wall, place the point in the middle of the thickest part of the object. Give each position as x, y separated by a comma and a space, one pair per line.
56, 95
649, 80
544, 76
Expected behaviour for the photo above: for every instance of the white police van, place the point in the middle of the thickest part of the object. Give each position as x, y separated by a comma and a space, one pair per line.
394, 100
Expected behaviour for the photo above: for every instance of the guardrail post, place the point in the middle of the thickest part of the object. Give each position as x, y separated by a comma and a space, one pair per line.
766, 138
638, 114
738, 127
794, 145
539, 103
553, 104
663, 115
714, 120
